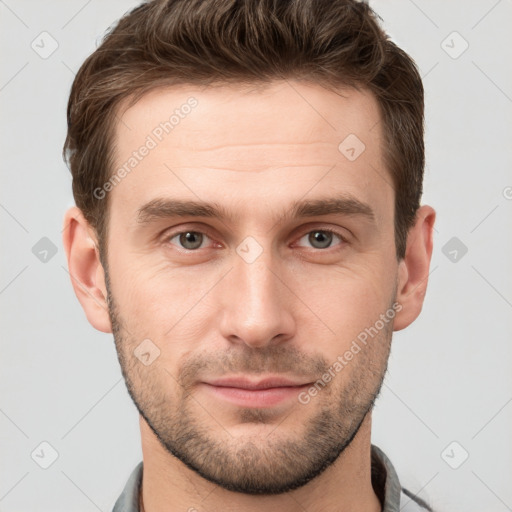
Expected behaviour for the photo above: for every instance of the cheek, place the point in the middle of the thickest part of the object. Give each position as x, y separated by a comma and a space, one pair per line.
166, 304
347, 301
181, 305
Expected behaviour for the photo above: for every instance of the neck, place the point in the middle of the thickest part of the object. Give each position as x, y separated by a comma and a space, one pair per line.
168, 485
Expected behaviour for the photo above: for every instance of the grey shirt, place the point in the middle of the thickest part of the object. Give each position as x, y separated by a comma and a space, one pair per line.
385, 483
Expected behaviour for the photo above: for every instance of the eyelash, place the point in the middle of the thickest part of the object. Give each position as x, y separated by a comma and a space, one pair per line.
170, 236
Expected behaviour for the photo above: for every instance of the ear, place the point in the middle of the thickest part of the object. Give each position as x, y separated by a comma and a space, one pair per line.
85, 269
413, 269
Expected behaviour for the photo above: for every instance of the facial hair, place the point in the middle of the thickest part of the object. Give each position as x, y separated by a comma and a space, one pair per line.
279, 462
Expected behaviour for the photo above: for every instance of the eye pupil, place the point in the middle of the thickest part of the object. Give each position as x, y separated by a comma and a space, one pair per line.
191, 240
324, 238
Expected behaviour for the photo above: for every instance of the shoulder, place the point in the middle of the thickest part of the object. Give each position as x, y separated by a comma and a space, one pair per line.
128, 501
409, 502
388, 488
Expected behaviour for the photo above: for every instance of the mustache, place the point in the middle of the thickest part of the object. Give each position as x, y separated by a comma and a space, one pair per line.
273, 359
276, 359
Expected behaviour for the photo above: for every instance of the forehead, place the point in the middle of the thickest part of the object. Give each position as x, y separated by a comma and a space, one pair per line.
193, 141
283, 111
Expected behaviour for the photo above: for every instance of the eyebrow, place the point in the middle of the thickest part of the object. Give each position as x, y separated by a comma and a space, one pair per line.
164, 208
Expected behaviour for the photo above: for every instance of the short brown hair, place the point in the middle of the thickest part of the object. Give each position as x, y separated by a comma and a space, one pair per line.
165, 42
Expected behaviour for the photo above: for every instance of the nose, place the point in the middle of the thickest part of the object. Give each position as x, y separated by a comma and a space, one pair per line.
257, 303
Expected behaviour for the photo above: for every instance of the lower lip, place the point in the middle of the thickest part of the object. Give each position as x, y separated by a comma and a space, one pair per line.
256, 397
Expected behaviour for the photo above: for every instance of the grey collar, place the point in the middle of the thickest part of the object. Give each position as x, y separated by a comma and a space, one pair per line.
384, 480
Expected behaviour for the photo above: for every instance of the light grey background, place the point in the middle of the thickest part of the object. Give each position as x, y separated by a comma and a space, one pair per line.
449, 376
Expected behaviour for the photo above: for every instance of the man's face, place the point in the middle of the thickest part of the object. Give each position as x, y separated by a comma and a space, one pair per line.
263, 292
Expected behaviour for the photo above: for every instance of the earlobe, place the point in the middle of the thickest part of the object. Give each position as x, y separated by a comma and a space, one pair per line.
85, 269
413, 270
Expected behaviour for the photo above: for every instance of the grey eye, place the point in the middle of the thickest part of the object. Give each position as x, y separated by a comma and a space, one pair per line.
189, 240
323, 239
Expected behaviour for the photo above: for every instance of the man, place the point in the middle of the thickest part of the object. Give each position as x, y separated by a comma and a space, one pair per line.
248, 226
